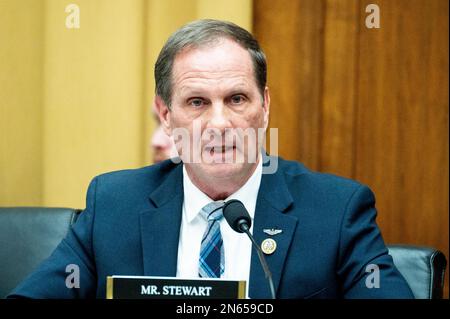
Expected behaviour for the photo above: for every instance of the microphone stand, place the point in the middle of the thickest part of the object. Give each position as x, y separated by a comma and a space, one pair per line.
244, 227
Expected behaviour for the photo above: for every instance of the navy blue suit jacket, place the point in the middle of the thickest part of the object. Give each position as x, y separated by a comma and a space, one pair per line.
131, 227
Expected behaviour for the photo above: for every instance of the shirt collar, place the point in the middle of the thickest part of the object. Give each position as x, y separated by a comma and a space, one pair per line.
195, 199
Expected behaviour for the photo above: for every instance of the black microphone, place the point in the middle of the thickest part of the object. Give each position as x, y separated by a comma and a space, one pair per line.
239, 220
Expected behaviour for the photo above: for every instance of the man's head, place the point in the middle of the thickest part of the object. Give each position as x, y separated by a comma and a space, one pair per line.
203, 33
211, 79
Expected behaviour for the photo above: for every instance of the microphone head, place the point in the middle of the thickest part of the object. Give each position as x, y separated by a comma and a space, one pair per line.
236, 215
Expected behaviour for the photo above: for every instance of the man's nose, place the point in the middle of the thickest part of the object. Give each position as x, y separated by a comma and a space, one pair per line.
219, 117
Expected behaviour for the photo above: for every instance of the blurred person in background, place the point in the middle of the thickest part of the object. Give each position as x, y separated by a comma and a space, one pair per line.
162, 145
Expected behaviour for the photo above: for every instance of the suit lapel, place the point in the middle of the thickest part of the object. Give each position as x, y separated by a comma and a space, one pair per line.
274, 199
160, 226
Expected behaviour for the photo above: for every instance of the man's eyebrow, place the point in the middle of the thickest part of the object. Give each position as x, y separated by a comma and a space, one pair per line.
240, 87
194, 90
191, 91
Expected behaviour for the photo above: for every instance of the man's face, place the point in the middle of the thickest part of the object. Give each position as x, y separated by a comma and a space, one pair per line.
215, 91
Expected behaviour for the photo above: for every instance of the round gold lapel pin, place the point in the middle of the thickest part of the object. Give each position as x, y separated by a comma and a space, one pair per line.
268, 246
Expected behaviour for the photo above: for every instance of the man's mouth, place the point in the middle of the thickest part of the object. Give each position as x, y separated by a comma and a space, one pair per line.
220, 149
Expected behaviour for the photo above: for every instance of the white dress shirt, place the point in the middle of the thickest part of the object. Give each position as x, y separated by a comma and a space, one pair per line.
237, 246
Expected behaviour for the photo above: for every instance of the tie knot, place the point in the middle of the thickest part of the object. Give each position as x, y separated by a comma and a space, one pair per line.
213, 211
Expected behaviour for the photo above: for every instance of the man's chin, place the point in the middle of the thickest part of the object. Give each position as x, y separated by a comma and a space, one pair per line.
222, 170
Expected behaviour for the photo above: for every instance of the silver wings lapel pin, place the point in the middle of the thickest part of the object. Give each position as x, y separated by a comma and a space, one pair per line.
272, 231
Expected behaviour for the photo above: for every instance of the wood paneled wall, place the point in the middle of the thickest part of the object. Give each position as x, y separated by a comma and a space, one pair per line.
369, 104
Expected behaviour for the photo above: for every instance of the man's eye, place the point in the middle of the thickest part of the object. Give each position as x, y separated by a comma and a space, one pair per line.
196, 102
237, 99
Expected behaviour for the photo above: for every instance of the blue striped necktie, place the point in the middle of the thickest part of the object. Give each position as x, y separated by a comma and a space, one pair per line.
212, 261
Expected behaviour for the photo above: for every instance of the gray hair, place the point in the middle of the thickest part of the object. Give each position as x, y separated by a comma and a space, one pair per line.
199, 33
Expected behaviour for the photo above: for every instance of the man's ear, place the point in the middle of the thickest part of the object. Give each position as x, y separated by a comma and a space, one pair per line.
163, 112
266, 107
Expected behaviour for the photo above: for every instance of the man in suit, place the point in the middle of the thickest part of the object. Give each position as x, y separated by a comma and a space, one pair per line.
156, 221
